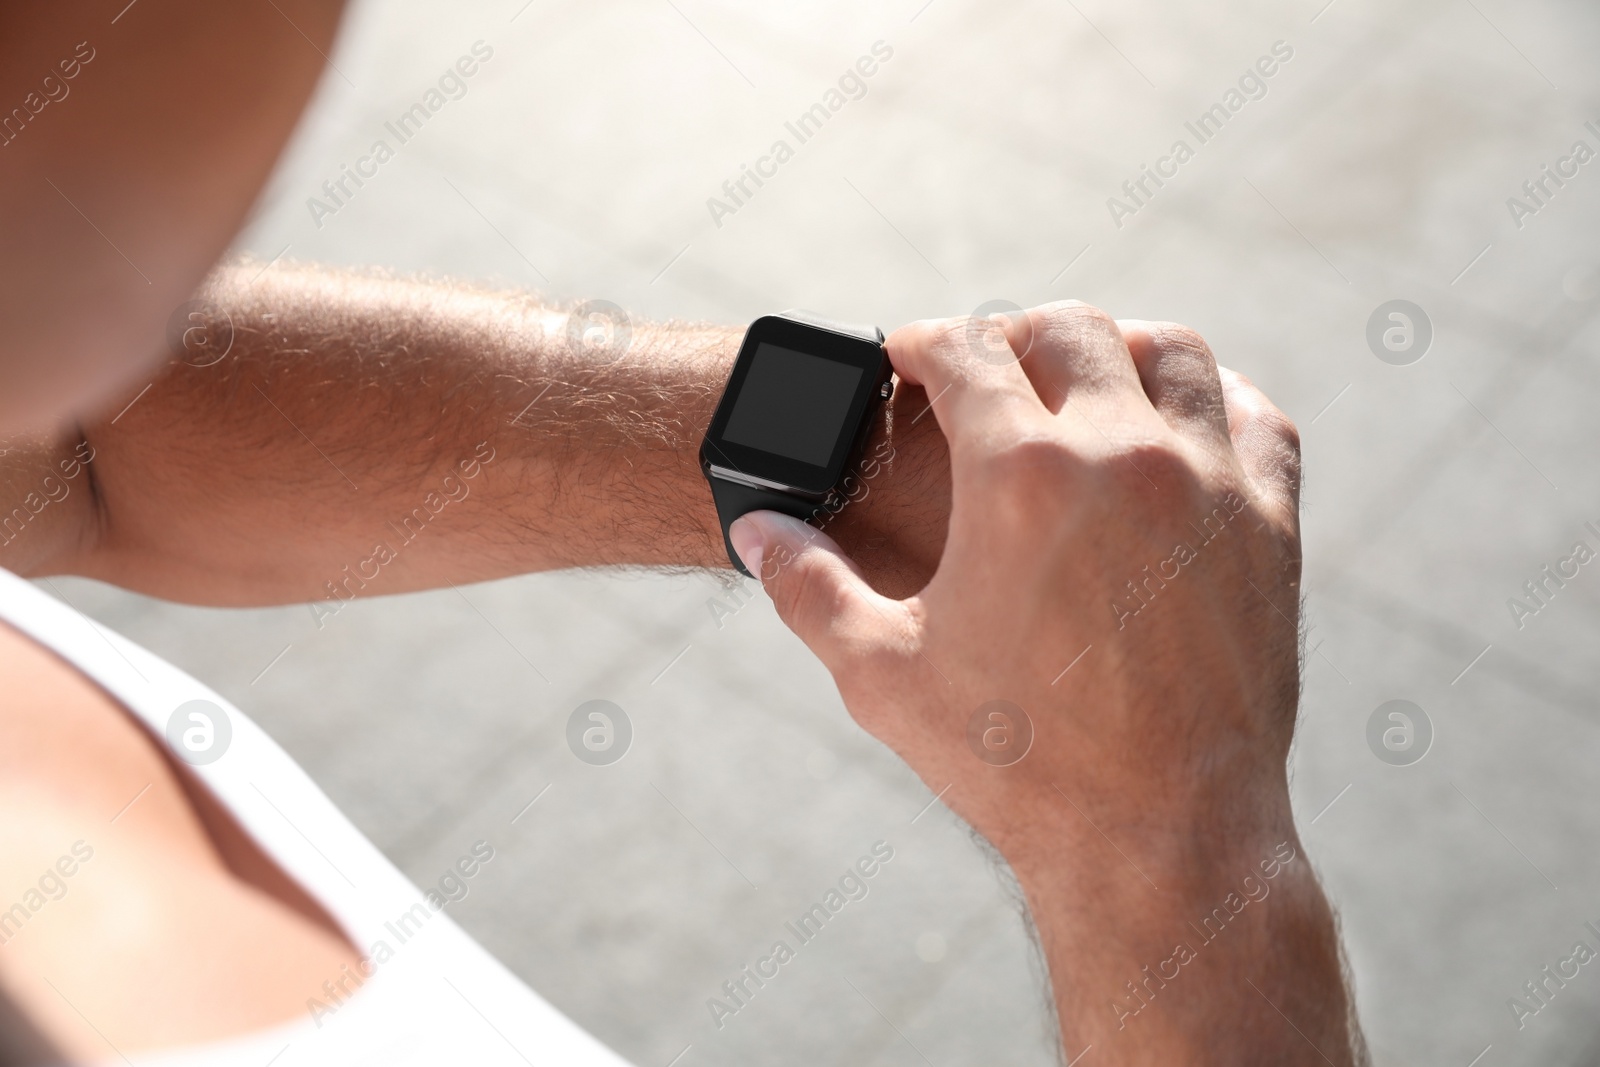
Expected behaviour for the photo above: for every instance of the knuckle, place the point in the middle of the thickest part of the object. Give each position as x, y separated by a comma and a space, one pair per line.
1275, 440
1155, 470
1038, 489
1288, 461
920, 340
923, 329
1178, 338
1029, 482
947, 342
1281, 427
1031, 463
1075, 315
947, 333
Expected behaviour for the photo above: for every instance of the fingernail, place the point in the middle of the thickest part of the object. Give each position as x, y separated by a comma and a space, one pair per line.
747, 543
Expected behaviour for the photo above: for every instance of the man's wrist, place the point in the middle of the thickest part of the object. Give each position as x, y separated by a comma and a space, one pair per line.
1143, 932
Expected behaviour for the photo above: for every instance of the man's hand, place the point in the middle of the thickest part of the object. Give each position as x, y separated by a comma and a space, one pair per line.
1104, 672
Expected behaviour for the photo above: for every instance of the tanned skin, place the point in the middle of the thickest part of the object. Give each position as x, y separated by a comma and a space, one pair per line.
989, 551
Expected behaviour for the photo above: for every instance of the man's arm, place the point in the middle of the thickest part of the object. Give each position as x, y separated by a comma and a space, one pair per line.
1102, 679
333, 433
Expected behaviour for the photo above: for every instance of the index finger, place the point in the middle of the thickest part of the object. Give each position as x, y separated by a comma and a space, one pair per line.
972, 394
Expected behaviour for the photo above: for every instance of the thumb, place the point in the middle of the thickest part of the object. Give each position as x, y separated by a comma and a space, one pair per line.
818, 590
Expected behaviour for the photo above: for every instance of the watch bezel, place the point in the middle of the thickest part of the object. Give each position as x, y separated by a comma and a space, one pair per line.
791, 475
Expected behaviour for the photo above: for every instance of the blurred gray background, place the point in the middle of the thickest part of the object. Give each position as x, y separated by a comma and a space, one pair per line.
978, 167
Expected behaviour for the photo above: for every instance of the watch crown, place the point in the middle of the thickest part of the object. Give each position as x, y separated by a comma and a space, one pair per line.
886, 390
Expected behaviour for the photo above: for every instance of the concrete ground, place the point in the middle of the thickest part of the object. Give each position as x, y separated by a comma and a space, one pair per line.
1376, 166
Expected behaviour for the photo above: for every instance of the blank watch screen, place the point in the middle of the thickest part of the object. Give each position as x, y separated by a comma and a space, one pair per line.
792, 404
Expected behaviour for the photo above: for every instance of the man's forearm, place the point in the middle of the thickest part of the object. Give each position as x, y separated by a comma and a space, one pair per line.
456, 428
361, 426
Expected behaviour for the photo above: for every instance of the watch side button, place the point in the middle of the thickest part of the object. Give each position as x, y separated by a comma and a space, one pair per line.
886, 390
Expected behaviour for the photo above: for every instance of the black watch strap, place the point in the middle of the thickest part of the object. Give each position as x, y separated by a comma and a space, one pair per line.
734, 499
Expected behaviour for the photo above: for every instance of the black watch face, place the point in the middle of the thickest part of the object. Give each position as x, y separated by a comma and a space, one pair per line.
794, 405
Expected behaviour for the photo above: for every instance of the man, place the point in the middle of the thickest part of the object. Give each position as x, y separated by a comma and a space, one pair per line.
1101, 533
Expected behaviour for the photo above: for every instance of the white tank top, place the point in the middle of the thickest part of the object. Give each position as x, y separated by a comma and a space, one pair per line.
436, 996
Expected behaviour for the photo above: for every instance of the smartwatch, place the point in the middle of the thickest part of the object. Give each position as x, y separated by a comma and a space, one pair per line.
797, 408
